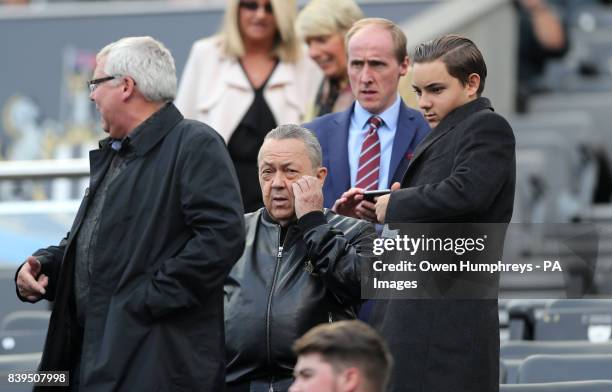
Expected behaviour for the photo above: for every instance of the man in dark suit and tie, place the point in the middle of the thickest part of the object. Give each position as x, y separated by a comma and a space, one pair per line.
463, 171
369, 145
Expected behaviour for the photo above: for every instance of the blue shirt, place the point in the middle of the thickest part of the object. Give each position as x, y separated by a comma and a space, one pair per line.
386, 133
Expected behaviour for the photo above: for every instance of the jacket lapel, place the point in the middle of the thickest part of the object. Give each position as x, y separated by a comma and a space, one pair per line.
339, 169
99, 160
234, 76
404, 136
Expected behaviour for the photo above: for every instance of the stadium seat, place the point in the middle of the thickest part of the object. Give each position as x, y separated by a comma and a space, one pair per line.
574, 386
591, 324
524, 349
570, 367
21, 320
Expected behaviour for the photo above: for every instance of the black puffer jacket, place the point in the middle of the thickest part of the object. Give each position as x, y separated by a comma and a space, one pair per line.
280, 288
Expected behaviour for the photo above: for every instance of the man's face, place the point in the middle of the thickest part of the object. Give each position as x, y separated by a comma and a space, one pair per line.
313, 374
439, 93
107, 97
283, 162
373, 68
328, 52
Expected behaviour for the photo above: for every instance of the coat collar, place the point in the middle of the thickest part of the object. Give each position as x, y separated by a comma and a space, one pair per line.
462, 112
450, 122
146, 135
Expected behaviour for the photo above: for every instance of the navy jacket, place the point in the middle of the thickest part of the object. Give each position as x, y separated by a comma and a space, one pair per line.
332, 131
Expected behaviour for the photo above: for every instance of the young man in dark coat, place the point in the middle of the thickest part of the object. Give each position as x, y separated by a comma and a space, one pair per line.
463, 171
138, 280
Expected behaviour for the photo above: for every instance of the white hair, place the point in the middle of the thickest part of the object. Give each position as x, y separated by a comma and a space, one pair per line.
145, 60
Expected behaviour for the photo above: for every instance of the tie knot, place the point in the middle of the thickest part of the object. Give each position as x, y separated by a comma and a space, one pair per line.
375, 122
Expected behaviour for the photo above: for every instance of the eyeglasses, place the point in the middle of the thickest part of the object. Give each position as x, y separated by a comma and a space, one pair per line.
93, 84
254, 6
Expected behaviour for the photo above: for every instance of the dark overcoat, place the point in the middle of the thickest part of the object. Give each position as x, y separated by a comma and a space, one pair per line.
170, 230
463, 171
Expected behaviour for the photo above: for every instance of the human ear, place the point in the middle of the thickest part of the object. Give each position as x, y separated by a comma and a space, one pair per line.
129, 86
350, 379
473, 83
404, 66
322, 174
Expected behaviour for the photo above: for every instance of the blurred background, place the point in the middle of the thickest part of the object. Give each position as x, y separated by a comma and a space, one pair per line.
550, 75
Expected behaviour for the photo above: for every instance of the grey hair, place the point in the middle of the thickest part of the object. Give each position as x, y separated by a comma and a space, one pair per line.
293, 131
145, 60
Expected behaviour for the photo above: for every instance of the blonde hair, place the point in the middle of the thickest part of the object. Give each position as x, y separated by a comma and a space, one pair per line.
326, 17
286, 45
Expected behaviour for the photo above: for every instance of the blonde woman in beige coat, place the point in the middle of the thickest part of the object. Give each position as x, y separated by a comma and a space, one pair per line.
253, 75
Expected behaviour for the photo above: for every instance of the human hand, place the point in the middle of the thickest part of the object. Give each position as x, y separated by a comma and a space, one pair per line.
31, 284
382, 203
366, 210
347, 203
307, 195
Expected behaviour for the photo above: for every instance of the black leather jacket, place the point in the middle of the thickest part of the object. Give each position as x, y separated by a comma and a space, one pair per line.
280, 288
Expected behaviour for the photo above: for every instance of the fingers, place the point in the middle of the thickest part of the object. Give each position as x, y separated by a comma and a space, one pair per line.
368, 205
297, 189
366, 210
338, 204
43, 281
395, 186
352, 193
305, 184
29, 283
34, 265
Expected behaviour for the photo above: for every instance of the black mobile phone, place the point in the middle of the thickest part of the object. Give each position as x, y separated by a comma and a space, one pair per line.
370, 195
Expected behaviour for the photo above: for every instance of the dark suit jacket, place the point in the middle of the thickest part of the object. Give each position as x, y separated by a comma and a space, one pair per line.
332, 131
463, 171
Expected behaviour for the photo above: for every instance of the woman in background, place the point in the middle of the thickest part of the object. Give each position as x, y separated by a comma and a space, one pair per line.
248, 78
323, 25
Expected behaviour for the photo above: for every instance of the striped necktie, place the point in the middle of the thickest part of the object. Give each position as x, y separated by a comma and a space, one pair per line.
369, 159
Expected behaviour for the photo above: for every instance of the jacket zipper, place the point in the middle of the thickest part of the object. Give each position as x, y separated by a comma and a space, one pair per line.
279, 256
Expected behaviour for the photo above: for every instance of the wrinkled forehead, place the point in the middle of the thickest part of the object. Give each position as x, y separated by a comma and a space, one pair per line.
284, 152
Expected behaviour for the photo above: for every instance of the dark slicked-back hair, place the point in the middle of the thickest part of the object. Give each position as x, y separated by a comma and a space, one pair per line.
350, 343
460, 55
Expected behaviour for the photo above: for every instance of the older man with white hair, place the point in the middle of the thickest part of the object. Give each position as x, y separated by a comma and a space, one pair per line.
137, 282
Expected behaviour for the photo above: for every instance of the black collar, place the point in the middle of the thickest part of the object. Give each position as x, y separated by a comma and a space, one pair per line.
146, 135
462, 112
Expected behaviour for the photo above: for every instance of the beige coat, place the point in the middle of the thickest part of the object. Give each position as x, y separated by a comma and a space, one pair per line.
215, 90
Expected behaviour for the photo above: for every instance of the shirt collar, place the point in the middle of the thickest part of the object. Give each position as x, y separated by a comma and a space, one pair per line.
389, 116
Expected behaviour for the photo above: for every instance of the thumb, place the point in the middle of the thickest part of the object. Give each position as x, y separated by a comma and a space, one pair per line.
34, 265
395, 186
